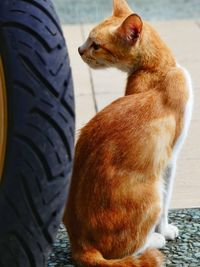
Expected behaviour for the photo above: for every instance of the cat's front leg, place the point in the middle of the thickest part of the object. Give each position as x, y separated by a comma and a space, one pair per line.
169, 231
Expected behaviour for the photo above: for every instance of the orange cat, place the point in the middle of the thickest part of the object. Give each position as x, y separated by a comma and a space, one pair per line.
126, 155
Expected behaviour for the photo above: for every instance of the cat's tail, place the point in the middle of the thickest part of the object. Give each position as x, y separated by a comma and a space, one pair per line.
93, 258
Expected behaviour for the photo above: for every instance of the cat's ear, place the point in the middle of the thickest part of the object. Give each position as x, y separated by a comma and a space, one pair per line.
130, 29
120, 8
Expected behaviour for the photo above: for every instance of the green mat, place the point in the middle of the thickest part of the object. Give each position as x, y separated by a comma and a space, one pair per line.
184, 252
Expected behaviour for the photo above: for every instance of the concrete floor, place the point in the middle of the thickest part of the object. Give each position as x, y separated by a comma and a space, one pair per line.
96, 89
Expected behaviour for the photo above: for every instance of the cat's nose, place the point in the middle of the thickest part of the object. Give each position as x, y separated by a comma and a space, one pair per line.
81, 51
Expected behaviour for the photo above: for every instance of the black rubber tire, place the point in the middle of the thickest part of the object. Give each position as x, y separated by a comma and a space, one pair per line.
40, 139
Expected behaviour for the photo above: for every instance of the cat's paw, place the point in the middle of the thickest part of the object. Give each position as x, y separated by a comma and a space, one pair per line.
171, 232
157, 241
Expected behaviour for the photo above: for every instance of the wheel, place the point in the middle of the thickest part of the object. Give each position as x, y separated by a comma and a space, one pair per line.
36, 130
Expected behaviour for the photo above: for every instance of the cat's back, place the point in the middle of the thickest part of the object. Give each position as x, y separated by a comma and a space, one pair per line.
126, 115
126, 125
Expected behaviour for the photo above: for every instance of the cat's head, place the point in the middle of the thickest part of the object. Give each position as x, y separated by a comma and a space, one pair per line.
115, 41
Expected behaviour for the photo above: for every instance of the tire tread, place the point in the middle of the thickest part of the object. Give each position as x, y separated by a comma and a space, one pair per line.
41, 131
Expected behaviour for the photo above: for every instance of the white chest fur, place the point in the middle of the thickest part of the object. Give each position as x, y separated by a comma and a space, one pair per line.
187, 116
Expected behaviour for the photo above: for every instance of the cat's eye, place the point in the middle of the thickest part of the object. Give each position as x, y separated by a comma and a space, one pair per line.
95, 46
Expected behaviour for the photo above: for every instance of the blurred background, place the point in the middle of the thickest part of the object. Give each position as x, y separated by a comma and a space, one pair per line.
90, 11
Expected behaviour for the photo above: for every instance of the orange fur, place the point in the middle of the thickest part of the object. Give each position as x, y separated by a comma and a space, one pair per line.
114, 200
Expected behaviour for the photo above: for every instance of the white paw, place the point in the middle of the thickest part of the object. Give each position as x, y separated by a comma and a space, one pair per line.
157, 241
171, 232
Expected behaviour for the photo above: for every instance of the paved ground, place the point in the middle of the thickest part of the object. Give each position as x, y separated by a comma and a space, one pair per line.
87, 11
184, 252
96, 89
